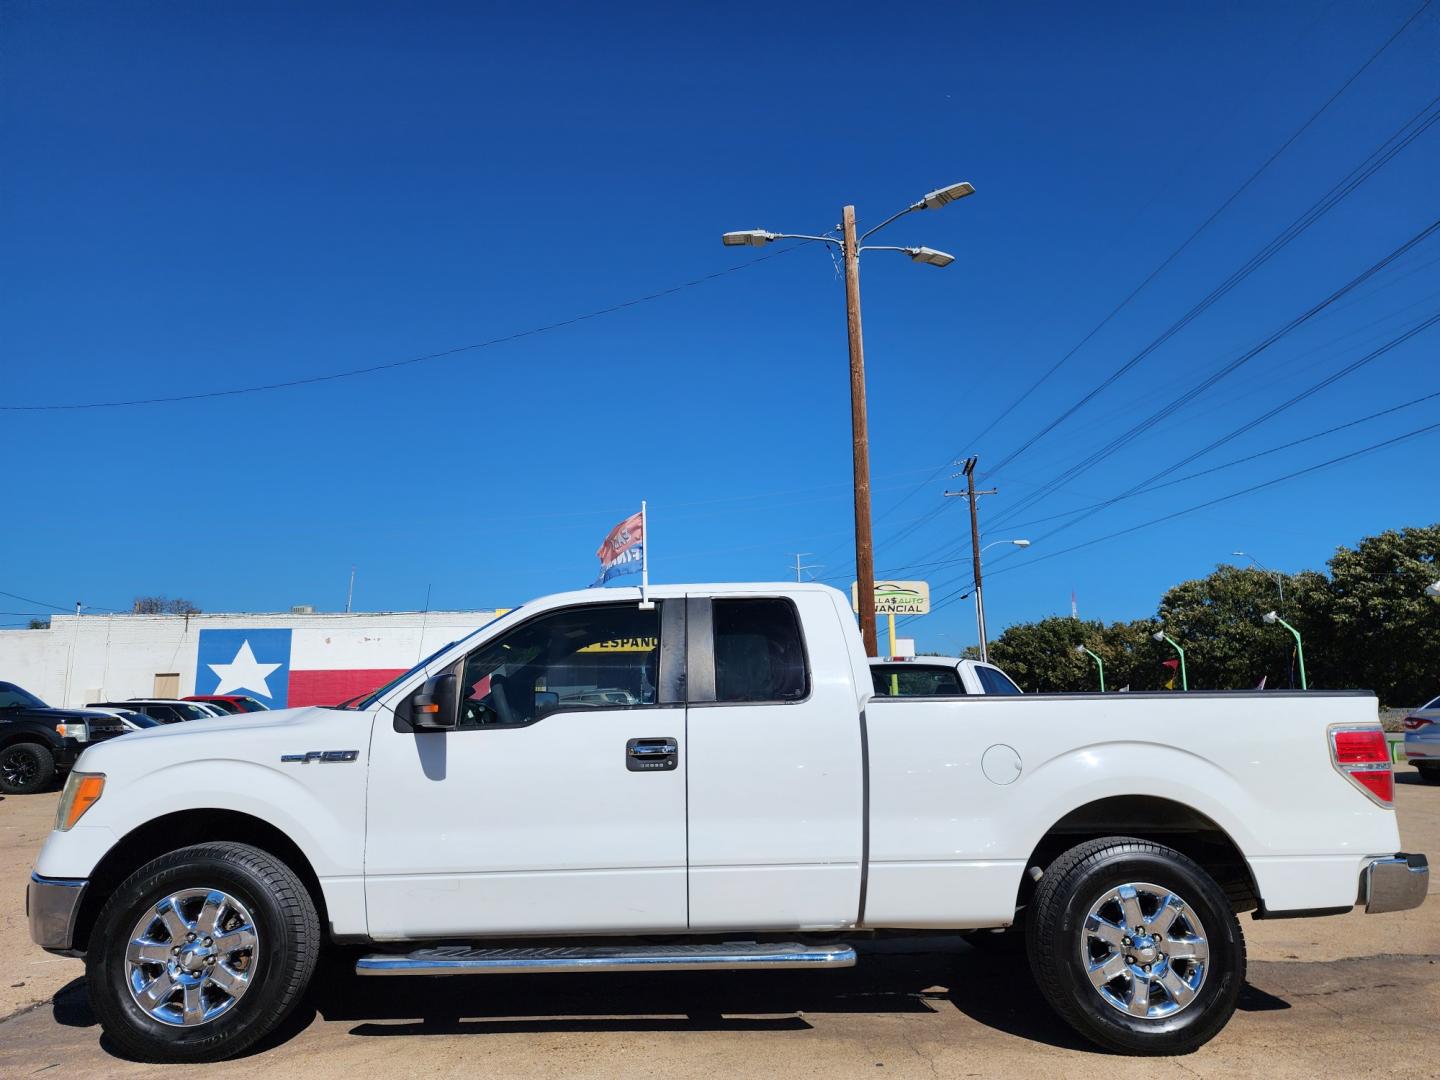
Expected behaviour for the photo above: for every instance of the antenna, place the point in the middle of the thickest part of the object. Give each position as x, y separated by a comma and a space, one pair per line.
801, 568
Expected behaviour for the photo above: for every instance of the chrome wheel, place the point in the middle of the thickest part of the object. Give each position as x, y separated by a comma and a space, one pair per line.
191, 957
1144, 950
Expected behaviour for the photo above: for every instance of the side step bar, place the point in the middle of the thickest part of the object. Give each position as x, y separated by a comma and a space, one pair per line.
735, 956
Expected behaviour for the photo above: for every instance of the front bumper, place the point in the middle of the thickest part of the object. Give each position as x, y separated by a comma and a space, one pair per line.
1394, 883
51, 904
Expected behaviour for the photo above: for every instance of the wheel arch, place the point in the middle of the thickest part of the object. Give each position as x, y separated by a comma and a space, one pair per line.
1154, 818
170, 832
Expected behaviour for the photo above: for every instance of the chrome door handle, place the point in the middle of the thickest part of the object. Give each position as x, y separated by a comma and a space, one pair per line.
654, 749
659, 754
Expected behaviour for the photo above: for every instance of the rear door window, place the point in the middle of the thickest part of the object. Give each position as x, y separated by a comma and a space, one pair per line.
759, 651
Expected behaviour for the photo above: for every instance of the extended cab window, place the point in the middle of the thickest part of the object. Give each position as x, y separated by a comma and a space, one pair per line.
759, 654
913, 680
599, 656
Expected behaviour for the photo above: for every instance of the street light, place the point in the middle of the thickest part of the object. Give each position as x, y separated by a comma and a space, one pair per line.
1433, 589
1270, 618
979, 590
1279, 579
850, 249
1161, 636
1081, 650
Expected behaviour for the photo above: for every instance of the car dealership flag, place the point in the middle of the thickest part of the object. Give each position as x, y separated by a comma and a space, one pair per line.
623, 551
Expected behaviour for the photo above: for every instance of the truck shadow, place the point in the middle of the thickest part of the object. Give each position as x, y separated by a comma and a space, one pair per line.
990, 986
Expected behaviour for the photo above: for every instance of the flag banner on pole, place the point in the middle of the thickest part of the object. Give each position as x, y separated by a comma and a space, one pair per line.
623, 551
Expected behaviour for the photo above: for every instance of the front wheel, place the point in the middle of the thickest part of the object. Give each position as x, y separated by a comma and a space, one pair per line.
25, 768
1136, 947
201, 953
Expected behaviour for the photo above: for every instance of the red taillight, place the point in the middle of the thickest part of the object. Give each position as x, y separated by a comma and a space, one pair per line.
1362, 754
1415, 723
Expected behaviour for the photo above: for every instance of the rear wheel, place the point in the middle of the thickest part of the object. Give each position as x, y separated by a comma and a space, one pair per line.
25, 768
1136, 947
201, 953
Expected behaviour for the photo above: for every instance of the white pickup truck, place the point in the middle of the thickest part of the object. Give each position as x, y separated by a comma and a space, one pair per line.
703, 781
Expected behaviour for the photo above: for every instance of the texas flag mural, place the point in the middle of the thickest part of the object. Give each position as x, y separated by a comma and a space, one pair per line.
283, 668
623, 551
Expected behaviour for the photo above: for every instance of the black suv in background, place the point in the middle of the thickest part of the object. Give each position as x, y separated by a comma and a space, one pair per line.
163, 709
36, 741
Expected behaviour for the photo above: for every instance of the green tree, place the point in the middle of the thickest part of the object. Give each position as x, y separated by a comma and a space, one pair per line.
1384, 626
1217, 621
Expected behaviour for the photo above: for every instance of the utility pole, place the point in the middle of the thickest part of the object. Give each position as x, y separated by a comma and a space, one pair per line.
799, 569
968, 471
860, 436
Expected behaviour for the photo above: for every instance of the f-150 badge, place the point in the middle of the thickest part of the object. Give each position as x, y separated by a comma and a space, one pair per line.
322, 756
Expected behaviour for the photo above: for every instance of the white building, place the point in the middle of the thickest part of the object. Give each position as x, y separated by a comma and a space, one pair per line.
280, 659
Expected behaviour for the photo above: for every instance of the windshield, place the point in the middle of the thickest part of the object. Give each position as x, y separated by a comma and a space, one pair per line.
374, 696
12, 697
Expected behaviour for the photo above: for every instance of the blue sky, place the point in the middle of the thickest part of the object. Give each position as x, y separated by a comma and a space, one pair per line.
198, 198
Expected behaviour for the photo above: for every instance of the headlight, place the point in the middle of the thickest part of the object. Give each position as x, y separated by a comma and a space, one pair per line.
78, 730
82, 791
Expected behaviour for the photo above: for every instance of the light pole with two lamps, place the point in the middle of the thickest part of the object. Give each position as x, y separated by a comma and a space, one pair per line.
851, 248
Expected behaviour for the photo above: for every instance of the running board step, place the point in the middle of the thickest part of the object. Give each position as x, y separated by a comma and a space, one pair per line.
466, 960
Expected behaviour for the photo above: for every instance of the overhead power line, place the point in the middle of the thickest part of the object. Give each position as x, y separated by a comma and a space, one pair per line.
372, 369
1158, 270
1205, 384
1253, 488
1195, 235
1406, 134
1217, 468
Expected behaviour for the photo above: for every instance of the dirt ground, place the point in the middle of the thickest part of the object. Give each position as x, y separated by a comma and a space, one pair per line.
1350, 995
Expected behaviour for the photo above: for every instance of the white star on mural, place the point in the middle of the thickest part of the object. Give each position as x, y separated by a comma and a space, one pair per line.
244, 673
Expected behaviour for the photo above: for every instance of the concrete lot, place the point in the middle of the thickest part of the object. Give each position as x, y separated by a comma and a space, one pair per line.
1350, 995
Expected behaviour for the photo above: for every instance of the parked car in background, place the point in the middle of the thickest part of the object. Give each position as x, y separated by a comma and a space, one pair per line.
231, 703
937, 676
37, 742
167, 712
211, 710
133, 721
1422, 740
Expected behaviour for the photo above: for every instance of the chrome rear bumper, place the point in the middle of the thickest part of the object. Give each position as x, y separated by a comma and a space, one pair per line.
1394, 883
51, 904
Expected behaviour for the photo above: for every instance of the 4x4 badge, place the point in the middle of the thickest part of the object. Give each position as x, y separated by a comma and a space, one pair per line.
321, 755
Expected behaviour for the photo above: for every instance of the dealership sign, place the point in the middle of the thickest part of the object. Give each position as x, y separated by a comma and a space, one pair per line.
896, 597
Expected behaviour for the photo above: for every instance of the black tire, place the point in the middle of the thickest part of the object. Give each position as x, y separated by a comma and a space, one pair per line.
1429, 774
285, 922
26, 768
1077, 880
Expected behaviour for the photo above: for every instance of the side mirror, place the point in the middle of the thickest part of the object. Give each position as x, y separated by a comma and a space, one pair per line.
432, 707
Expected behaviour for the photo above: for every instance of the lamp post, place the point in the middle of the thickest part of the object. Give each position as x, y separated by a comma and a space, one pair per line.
1279, 580
1433, 589
1271, 618
980, 594
851, 249
1161, 636
1081, 650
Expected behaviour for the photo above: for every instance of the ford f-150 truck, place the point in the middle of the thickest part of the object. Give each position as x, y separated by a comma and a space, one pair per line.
36, 741
705, 779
